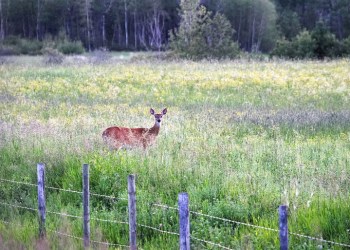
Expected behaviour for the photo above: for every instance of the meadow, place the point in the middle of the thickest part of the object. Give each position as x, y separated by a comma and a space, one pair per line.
241, 137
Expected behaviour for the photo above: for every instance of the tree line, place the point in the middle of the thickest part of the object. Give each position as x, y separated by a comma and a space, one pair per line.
257, 25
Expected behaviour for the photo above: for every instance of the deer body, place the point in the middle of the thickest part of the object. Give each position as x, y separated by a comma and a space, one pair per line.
121, 137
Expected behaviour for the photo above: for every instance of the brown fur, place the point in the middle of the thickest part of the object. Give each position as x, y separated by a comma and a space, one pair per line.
121, 137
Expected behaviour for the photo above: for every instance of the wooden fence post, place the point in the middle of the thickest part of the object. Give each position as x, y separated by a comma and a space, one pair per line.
184, 220
41, 199
283, 226
86, 208
132, 211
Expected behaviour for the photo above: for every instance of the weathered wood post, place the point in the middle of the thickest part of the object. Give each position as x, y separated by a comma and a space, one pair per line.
184, 220
283, 226
41, 199
132, 211
86, 208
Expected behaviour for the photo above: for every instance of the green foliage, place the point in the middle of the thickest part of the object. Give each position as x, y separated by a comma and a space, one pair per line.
52, 56
303, 46
319, 43
326, 45
68, 47
14, 45
289, 24
346, 44
203, 35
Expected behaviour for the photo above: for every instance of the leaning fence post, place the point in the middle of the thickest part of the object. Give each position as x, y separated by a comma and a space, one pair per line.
41, 199
86, 208
184, 220
132, 211
283, 226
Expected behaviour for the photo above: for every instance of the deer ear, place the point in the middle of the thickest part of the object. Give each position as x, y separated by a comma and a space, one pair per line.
164, 111
151, 111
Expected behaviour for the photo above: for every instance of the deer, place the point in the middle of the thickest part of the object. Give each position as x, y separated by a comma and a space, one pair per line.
128, 138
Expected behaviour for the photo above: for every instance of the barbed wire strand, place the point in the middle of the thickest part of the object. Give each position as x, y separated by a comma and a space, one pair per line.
18, 182
91, 241
157, 229
64, 214
211, 243
71, 236
64, 190
18, 206
236, 222
319, 239
110, 221
164, 206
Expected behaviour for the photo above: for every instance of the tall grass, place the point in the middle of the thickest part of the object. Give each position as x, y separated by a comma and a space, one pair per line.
240, 137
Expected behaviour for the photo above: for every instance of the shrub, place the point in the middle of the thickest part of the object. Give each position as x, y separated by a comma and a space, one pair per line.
326, 43
100, 56
14, 45
52, 56
283, 49
8, 50
346, 46
68, 47
302, 46
30, 47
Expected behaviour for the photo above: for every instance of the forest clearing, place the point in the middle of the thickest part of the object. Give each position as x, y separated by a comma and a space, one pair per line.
240, 137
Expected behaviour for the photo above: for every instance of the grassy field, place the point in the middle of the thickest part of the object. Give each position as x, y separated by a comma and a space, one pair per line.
240, 137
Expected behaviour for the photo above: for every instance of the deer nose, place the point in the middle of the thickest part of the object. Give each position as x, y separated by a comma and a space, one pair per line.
158, 120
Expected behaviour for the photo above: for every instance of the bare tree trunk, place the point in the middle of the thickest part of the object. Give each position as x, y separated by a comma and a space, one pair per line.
23, 27
87, 8
142, 37
2, 31
126, 25
135, 31
104, 39
38, 17
104, 30
260, 33
239, 26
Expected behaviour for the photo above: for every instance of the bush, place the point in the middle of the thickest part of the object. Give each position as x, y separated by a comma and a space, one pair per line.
8, 50
301, 47
326, 43
304, 45
202, 35
30, 47
52, 56
68, 48
14, 45
100, 56
346, 46
319, 43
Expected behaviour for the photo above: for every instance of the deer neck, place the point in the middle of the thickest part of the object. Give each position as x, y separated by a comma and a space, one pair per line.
155, 129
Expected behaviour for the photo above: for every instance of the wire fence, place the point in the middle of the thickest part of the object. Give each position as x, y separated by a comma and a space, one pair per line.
163, 206
70, 236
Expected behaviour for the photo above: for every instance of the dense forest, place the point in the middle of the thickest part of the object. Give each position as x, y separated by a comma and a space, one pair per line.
257, 25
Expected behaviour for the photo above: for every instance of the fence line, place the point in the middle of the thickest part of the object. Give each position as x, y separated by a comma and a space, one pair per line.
162, 206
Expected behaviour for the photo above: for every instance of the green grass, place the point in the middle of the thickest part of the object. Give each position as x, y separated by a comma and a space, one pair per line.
240, 137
